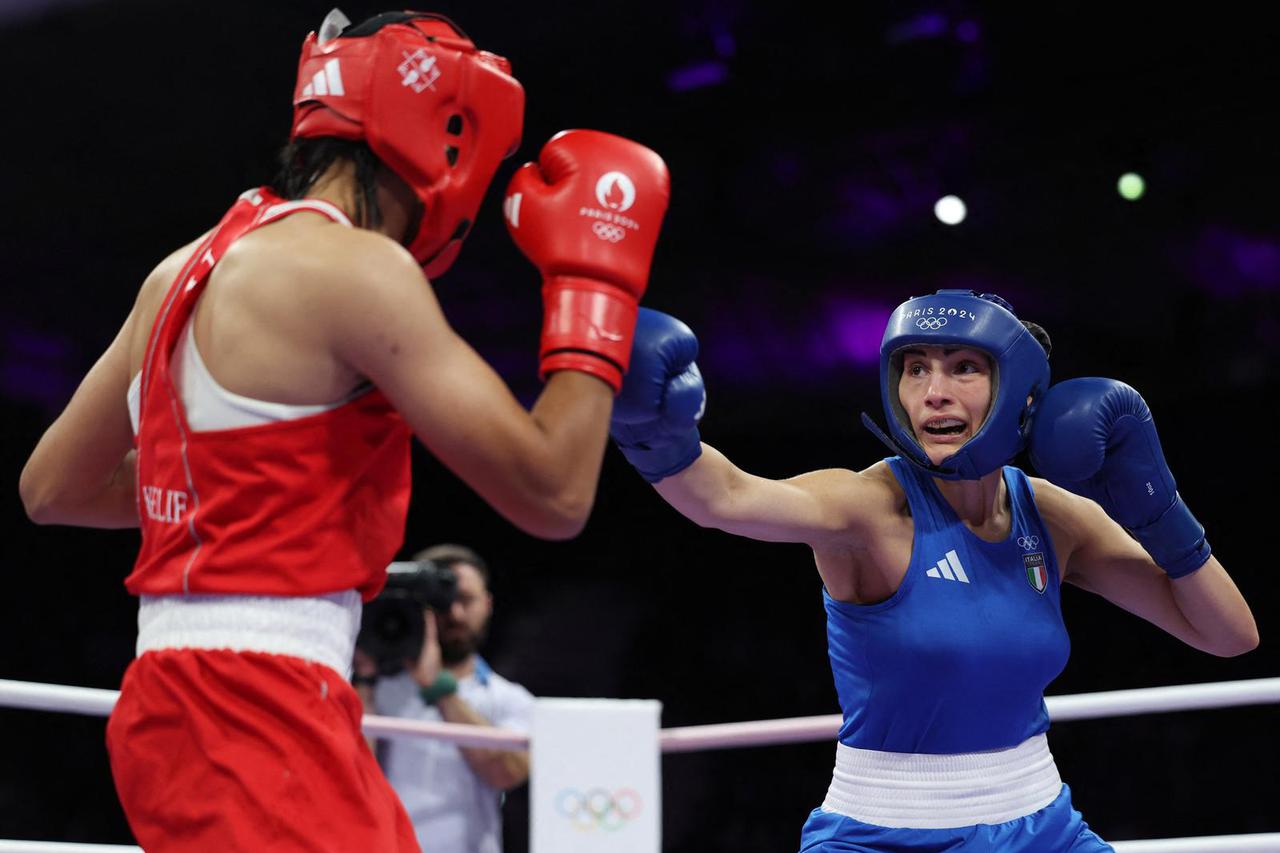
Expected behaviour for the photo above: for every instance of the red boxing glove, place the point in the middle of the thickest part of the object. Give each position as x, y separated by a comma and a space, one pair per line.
588, 214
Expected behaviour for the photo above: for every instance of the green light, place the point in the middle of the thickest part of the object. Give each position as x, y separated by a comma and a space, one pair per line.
1131, 186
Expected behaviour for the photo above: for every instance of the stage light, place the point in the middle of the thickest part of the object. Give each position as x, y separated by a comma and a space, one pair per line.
950, 210
1131, 186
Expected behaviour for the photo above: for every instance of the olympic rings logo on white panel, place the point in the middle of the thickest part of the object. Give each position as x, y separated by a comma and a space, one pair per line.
933, 324
605, 231
611, 182
598, 808
1029, 543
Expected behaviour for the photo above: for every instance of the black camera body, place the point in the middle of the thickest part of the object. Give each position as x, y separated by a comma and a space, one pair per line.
392, 628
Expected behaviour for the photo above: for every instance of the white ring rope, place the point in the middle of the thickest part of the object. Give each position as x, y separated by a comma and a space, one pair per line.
1080, 706
57, 697
463, 734
1158, 700
1266, 842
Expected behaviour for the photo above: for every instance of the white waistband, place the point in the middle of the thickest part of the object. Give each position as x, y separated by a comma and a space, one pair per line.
900, 789
318, 628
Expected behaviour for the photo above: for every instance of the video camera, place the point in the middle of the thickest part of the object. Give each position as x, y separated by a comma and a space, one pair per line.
392, 628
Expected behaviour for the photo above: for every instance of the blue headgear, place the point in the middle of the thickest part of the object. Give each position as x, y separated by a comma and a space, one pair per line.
1020, 369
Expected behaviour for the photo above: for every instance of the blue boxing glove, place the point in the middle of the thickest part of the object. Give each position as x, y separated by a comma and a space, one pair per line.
655, 415
1095, 437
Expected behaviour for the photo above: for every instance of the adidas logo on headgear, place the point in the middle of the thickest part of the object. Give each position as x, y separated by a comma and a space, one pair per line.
327, 81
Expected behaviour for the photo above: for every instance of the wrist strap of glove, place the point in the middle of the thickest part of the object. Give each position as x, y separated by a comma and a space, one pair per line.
444, 685
587, 325
671, 457
1175, 540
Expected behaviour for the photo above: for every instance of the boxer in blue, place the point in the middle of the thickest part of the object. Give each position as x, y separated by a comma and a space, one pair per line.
941, 565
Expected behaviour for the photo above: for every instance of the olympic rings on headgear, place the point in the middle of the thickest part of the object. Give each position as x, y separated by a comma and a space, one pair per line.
598, 808
605, 231
931, 323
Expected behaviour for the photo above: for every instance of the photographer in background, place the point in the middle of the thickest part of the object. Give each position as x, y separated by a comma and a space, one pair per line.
452, 794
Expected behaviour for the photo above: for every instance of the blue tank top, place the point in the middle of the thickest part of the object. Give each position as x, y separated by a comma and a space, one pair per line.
957, 659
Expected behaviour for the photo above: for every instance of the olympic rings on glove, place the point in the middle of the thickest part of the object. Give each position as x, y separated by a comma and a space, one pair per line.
605, 231
598, 808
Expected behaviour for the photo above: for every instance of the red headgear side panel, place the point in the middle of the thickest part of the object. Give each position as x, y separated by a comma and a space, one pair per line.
438, 112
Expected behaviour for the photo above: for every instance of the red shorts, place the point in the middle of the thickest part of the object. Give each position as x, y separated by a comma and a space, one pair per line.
224, 751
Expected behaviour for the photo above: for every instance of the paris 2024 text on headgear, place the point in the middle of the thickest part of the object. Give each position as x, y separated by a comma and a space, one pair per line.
1020, 370
436, 110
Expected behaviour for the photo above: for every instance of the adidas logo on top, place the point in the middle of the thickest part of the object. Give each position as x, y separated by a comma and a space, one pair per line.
949, 567
328, 81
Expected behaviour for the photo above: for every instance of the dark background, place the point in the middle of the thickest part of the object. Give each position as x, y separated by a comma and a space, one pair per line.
804, 170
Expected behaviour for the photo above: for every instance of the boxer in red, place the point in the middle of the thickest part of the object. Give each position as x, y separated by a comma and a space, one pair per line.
254, 413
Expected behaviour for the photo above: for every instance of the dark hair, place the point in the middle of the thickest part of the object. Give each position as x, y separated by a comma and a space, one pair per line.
1042, 337
303, 161
448, 555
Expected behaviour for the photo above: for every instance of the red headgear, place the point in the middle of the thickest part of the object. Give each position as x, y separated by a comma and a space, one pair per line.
435, 110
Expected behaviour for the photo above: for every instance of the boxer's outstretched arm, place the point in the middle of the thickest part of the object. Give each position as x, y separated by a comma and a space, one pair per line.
817, 508
655, 424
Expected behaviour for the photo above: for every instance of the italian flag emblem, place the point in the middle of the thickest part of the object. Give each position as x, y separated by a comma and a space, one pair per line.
1037, 574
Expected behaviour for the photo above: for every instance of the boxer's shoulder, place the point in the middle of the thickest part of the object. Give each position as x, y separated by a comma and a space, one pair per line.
157, 283
320, 269
1064, 514
151, 296
301, 250
881, 485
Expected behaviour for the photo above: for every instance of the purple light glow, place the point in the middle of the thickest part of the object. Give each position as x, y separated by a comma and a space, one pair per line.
927, 25
700, 75
25, 344
1229, 263
730, 354
1258, 261
762, 341
866, 213
968, 31
725, 44
37, 368
855, 329
49, 386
